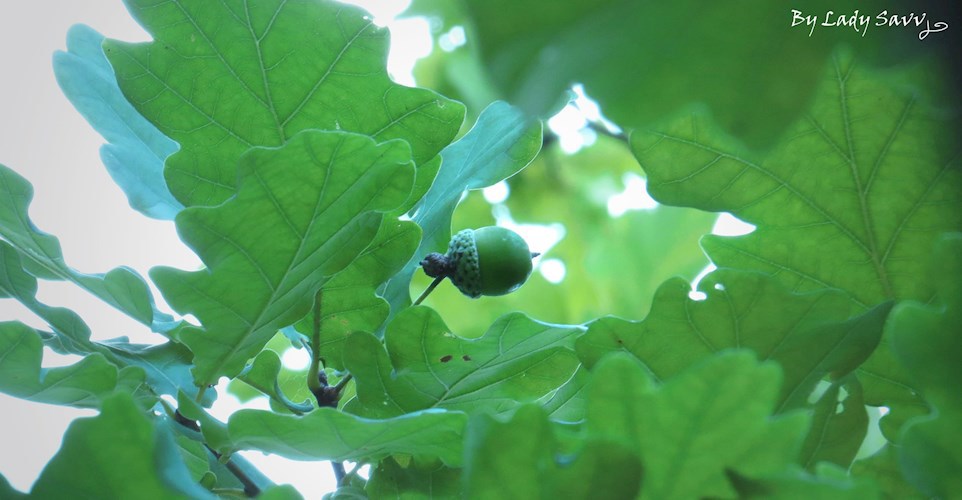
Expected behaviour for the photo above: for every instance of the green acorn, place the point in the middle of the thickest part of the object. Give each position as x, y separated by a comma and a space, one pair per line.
487, 261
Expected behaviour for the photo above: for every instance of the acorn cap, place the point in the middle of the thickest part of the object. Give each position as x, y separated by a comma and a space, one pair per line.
489, 261
467, 266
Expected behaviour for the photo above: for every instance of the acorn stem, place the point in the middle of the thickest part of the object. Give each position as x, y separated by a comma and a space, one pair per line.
437, 265
429, 289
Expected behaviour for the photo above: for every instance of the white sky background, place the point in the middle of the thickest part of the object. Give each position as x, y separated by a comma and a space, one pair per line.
45, 140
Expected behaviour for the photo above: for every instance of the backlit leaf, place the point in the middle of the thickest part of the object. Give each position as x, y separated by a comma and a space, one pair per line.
122, 288
350, 301
328, 434
8, 491
87, 464
925, 338
17, 284
708, 419
749, 65
223, 77
166, 365
221, 472
414, 481
427, 366
516, 459
302, 213
700, 425
883, 468
839, 425
136, 151
262, 374
810, 335
852, 199
828, 481
567, 404
83, 384
214, 432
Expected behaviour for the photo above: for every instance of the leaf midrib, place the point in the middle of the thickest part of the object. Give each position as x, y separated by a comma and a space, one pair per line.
862, 192
256, 324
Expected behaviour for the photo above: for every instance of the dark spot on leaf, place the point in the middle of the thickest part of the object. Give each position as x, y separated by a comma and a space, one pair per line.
466, 357
620, 342
447, 358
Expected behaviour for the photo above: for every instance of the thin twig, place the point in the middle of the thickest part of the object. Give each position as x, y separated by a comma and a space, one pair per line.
338, 472
325, 395
250, 488
313, 374
341, 383
437, 281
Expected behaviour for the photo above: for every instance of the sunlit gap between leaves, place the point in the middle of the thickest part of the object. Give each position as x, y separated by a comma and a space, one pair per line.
573, 127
